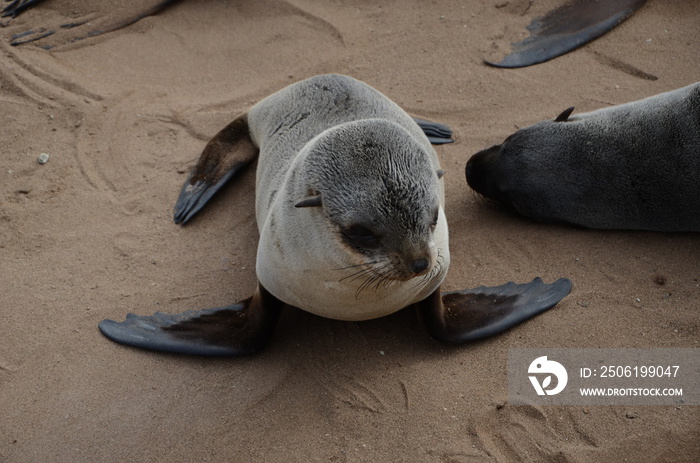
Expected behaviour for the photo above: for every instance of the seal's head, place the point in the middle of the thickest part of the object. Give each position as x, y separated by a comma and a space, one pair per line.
380, 191
525, 171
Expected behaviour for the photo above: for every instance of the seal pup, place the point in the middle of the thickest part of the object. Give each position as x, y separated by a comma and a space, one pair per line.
350, 210
633, 166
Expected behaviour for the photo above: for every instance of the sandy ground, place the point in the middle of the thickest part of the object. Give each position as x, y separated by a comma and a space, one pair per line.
89, 235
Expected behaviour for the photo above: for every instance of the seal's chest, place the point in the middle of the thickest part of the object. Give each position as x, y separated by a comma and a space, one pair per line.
350, 300
330, 291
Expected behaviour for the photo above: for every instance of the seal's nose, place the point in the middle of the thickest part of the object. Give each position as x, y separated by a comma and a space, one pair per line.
420, 265
469, 169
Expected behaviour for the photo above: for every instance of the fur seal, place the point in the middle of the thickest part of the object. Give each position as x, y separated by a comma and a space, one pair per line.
633, 166
349, 205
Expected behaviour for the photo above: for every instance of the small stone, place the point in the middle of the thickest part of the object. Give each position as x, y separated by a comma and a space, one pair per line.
43, 158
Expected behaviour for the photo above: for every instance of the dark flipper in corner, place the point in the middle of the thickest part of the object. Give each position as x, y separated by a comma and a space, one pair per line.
235, 330
474, 314
15, 7
437, 133
73, 22
226, 154
566, 28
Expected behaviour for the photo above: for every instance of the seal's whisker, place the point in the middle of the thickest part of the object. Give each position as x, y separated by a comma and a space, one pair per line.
358, 265
367, 283
371, 276
356, 275
385, 281
388, 282
422, 281
370, 269
440, 258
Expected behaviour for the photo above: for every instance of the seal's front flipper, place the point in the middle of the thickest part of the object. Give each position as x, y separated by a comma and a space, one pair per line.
437, 133
227, 153
235, 330
566, 28
473, 314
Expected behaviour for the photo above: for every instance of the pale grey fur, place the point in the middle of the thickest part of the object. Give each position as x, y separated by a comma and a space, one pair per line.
283, 123
372, 166
631, 166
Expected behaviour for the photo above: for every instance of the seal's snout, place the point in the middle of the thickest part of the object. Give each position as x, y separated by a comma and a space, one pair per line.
406, 267
420, 266
469, 170
479, 171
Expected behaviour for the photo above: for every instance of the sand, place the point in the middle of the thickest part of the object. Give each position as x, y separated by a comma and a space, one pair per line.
89, 235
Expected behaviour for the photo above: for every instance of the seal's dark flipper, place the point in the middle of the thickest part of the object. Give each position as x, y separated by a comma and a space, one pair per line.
437, 133
235, 330
473, 314
227, 153
195, 195
78, 22
16, 7
566, 28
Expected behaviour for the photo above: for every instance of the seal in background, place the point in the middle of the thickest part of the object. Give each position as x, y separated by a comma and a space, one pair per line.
633, 166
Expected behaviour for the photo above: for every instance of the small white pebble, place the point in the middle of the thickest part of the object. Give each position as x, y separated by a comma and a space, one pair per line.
43, 158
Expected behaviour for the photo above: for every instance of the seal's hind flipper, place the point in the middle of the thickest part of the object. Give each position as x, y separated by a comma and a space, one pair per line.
566, 28
437, 133
473, 314
72, 24
227, 153
16, 7
234, 330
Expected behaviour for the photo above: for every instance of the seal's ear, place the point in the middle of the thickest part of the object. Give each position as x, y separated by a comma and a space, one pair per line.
564, 116
314, 201
440, 173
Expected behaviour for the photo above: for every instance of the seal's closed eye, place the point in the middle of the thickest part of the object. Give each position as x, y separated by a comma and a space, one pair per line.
363, 236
